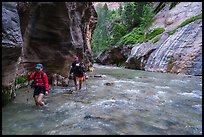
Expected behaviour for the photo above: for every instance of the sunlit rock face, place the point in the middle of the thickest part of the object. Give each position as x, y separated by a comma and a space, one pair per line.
171, 18
55, 32
177, 53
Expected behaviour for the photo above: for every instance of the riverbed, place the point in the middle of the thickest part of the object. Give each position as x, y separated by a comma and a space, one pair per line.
113, 101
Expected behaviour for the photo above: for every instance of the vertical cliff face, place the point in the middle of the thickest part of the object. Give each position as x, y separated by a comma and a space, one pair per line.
50, 33
177, 53
11, 47
55, 32
11, 41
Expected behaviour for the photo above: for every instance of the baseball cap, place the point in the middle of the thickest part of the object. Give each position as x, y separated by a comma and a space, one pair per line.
39, 66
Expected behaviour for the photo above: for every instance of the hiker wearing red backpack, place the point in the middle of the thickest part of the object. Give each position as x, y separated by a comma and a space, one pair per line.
41, 84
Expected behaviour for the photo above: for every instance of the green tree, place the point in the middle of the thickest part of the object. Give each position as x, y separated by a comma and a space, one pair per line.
127, 24
100, 37
120, 9
147, 16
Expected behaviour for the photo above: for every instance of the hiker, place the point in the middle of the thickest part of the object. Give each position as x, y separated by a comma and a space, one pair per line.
71, 73
77, 72
80, 74
41, 84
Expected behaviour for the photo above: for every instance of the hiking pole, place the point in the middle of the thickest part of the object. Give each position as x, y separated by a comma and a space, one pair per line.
28, 90
85, 83
69, 76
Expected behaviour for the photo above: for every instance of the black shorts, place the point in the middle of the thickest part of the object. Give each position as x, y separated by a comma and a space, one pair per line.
39, 90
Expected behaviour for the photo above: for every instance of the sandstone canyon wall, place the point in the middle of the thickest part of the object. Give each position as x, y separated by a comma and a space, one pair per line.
50, 33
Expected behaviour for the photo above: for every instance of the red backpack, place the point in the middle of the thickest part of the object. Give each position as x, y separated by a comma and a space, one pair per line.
33, 83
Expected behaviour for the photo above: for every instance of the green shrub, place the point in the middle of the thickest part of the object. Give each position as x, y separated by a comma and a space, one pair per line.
155, 40
155, 32
21, 79
172, 32
173, 4
137, 36
185, 23
160, 7
190, 20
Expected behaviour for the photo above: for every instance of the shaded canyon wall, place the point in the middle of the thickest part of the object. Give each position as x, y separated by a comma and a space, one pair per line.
11, 48
50, 33
55, 32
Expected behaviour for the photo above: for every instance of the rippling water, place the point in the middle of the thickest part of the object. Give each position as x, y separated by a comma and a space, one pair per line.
123, 102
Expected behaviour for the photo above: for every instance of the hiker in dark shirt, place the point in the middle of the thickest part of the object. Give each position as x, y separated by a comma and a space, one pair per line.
77, 72
71, 73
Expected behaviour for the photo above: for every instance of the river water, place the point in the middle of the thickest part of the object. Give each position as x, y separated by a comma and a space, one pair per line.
121, 102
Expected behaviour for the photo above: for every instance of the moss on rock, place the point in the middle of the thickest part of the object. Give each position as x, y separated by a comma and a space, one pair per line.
185, 23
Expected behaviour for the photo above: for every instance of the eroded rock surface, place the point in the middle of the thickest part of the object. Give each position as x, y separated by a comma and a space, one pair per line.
56, 32
177, 53
11, 48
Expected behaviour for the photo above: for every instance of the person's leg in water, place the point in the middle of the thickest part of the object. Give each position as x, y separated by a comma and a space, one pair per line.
36, 100
80, 83
77, 84
40, 99
81, 80
38, 96
35, 96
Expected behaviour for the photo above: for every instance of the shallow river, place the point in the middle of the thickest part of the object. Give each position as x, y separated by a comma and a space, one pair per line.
121, 102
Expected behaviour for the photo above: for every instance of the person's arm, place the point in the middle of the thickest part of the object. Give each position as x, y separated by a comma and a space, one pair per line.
46, 82
84, 71
71, 70
31, 76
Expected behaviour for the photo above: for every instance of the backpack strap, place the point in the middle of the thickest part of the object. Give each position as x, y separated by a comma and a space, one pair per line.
35, 74
42, 77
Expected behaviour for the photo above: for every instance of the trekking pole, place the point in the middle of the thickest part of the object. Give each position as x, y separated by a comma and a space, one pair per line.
85, 82
51, 88
28, 90
69, 76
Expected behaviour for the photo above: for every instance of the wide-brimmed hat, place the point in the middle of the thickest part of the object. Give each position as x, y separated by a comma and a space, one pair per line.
39, 66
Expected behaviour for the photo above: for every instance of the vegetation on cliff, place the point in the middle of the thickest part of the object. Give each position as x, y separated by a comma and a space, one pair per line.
185, 23
126, 25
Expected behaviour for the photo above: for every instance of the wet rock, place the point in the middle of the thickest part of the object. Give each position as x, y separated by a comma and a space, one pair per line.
109, 83
116, 55
99, 76
58, 80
